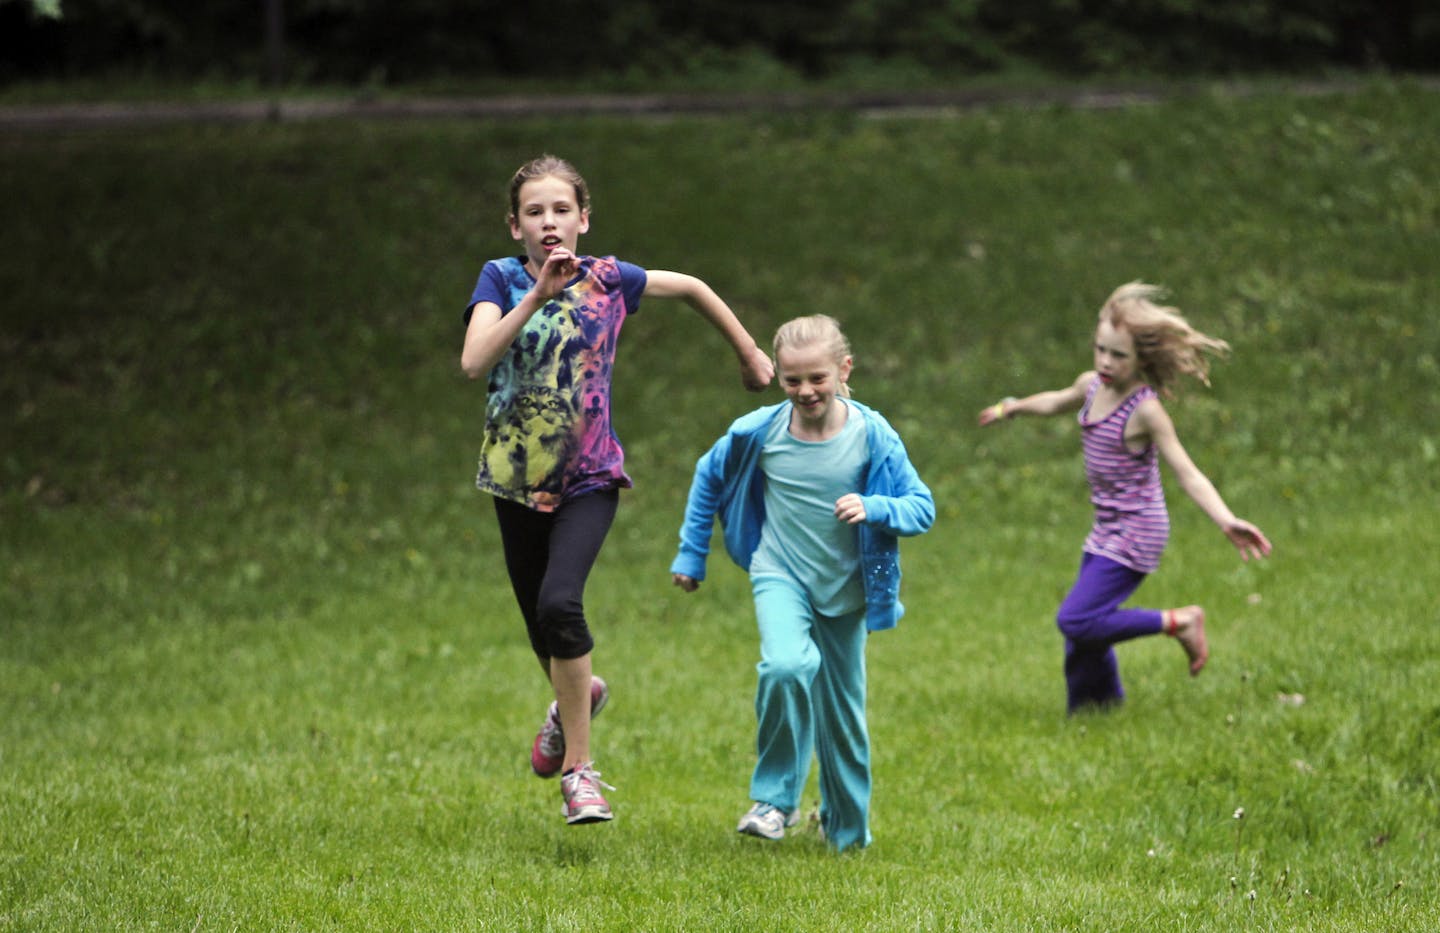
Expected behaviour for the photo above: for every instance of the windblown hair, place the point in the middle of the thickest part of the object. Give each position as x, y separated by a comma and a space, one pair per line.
1166, 346
544, 166
813, 329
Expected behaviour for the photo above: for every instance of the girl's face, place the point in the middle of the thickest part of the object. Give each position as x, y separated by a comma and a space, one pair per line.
549, 216
811, 379
1115, 359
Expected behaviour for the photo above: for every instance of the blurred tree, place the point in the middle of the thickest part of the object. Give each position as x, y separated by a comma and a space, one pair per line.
570, 41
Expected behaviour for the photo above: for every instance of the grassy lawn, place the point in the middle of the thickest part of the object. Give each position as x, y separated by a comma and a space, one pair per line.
259, 663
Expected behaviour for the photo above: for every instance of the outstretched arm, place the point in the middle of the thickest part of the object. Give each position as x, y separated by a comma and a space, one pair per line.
756, 369
1054, 402
1249, 540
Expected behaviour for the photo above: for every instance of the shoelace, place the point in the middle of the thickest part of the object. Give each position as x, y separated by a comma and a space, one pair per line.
586, 776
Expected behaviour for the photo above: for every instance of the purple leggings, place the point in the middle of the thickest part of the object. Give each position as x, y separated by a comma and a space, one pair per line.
1092, 622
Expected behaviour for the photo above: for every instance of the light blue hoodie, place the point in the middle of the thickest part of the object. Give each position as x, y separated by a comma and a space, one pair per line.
729, 485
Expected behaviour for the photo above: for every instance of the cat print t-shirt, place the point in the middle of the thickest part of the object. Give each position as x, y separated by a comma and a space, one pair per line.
548, 436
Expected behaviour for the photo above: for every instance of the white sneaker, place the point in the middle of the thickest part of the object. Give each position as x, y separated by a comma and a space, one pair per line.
766, 821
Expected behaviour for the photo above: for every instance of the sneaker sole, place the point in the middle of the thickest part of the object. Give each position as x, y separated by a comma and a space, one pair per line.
588, 815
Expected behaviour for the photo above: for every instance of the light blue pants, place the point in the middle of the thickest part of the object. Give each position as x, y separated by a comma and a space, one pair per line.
811, 696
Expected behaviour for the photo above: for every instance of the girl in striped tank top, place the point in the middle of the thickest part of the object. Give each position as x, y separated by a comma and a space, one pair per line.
1141, 351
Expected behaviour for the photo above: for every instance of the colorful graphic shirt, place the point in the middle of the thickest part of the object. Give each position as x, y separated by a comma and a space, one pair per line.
1131, 523
548, 436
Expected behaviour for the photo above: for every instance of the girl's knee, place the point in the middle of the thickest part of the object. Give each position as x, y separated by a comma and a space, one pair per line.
799, 668
1074, 627
558, 607
564, 630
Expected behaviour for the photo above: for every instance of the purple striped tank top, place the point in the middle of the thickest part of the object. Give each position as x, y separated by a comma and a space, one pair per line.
1131, 522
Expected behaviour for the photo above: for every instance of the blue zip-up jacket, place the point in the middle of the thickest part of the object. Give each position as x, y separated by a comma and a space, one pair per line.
729, 485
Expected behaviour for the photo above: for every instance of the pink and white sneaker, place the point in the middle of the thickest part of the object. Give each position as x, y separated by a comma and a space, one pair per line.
547, 752
583, 801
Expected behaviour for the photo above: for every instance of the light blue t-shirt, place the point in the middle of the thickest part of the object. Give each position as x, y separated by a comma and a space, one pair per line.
801, 538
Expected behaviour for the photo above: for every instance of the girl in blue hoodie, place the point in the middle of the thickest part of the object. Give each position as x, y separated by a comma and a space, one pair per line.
812, 495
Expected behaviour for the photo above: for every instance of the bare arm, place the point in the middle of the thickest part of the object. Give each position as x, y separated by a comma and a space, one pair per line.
756, 369
489, 334
1152, 418
1053, 402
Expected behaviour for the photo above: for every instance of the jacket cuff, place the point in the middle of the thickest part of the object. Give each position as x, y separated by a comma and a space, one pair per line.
689, 565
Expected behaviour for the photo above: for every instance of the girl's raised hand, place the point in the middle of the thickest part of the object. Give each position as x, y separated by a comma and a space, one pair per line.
1249, 540
560, 267
850, 509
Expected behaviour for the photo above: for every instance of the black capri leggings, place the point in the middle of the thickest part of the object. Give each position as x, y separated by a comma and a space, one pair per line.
548, 556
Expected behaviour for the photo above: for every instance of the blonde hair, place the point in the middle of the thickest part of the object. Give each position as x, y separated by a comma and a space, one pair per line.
542, 167
812, 329
1166, 346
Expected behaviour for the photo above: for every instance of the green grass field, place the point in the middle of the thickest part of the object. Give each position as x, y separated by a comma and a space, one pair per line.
259, 664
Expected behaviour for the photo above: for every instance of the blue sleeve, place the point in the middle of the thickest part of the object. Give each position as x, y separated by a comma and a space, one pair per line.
701, 507
633, 280
909, 508
490, 287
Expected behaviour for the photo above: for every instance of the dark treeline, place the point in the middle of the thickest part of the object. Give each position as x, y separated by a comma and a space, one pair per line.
366, 40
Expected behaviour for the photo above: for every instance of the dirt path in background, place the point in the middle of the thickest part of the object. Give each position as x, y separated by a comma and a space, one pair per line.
937, 103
